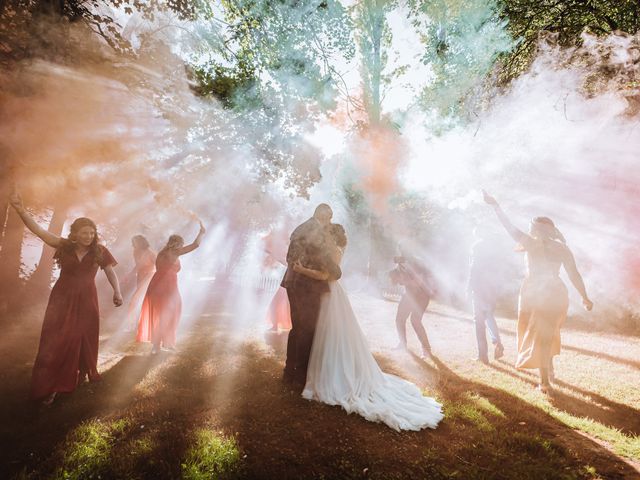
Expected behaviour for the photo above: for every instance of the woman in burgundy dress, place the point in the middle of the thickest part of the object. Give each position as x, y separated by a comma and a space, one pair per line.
145, 266
162, 303
68, 350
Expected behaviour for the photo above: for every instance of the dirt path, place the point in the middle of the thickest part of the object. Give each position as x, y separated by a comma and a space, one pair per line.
146, 418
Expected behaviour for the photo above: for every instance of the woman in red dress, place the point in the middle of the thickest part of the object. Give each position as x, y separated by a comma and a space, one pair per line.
145, 266
68, 350
162, 303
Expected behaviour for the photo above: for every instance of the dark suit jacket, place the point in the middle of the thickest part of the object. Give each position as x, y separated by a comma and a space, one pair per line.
308, 243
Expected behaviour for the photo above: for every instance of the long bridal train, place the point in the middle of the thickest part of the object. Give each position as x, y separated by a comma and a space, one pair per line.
342, 371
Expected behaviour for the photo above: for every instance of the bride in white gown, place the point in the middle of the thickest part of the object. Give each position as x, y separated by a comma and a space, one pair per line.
342, 370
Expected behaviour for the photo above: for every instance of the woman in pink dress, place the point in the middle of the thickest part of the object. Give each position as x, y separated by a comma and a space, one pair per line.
68, 350
162, 304
279, 313
145, 266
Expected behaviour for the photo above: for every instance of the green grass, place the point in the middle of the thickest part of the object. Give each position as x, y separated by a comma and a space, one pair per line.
87, 452
211, 456
621, 443
473, 408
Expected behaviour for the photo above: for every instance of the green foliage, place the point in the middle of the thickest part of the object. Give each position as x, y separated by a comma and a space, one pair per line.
212, 456
21, 21
274, 68
282, 47
374, 40
566, 18
462, 40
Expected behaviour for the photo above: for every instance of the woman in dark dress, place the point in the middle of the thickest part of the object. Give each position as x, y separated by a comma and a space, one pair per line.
162, 305
68, 350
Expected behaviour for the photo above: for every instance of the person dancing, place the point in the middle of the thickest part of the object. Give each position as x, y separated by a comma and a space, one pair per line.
162, 304
419, 288
68, 349
483, 289
145, 266
544, 299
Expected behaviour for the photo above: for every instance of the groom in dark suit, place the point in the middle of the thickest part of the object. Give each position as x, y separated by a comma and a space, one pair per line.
307, 246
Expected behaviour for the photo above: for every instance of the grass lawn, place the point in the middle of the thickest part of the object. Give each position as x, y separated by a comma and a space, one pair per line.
217, 409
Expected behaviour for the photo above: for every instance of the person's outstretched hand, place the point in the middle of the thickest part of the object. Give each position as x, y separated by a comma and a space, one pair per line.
489, 199
588, 304
15, 200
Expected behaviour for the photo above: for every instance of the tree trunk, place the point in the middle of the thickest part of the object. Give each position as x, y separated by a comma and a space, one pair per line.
40, 279
10, 260
51, 7
4, 214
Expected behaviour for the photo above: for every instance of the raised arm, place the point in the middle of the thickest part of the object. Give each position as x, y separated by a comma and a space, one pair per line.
569, 263
515, 233
193, 245
47, 237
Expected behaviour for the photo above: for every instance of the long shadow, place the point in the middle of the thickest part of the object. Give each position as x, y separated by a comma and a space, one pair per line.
622, 361
606, 411
28, 438
281, 435
285, 436
177, 409
159, 417
531, 421
605, 356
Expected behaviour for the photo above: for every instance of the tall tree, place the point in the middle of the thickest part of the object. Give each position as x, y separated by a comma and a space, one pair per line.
274, 69
374, 39
10, 260
40, 279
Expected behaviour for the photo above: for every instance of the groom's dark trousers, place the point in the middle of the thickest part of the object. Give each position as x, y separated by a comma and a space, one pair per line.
305, 295
305, 310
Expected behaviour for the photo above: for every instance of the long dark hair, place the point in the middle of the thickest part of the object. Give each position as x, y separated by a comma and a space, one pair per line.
140, 240
339, 235
555, 234
68, 244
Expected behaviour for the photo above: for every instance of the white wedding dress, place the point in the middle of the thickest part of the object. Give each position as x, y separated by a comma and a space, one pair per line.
342, 371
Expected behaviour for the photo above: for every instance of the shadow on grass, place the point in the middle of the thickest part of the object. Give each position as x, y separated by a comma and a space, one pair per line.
488, 434
233, 392
34, 430
522, 435
601, 409
583, 351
